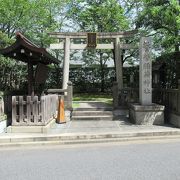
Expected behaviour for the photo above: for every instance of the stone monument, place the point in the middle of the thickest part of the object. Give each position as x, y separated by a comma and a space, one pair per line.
146, 112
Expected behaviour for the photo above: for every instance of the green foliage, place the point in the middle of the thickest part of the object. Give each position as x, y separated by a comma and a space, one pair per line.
34, 18
13, 75
106, 98
88, 79
4, 40
162, 16
98, 16
170, 68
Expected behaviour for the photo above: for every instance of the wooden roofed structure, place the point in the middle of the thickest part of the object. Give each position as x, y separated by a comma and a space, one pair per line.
26, 51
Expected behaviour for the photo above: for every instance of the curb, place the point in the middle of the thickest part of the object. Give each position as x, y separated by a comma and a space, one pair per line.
66, 139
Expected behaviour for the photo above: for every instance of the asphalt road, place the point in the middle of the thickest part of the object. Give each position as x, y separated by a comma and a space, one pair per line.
150, 161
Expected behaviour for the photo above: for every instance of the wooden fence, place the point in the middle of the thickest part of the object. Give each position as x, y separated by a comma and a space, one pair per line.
27, 110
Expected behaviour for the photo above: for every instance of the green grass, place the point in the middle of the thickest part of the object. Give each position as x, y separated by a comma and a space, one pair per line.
75, 104
106, 98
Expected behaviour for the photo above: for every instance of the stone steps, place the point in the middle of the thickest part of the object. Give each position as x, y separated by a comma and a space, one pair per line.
97, 111
95, 117
93, 109
92, 113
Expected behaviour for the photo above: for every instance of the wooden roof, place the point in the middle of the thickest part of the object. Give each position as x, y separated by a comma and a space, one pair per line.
24, 50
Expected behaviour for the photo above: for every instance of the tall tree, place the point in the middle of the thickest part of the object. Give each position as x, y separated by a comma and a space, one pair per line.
98, 16
34, 18
162, 17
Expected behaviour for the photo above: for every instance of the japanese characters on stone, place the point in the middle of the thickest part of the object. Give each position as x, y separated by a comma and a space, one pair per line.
146, 67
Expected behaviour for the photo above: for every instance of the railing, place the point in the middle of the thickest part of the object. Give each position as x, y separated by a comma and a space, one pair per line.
30, 110
170, 98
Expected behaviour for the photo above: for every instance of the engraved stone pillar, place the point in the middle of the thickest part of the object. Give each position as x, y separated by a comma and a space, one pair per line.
146, 113
66, 63
145, 72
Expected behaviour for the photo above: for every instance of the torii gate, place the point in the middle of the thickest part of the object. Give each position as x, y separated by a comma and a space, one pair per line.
115, 44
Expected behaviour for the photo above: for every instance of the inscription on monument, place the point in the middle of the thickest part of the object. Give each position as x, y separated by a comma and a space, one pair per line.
145, 72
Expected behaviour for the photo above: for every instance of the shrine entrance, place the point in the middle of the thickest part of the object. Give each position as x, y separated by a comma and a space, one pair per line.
90, 42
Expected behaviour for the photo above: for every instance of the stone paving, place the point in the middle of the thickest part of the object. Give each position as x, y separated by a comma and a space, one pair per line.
122, 124
91, 104
106, 127
91, 131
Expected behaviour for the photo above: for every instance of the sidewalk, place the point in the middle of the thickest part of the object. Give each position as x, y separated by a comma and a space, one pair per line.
92, 131
96, 127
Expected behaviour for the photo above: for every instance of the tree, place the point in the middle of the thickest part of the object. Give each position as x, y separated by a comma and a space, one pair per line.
98, 16
162, 17
34, 18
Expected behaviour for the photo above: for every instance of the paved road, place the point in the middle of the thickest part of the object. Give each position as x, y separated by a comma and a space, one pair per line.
155, 161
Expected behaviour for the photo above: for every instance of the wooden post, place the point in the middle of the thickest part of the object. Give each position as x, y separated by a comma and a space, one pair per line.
29, 109
43, 109
14, 110
30, 79
21, 110
35, 109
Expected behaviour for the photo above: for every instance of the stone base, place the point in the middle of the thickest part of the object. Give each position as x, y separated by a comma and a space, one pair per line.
175, 119
146, 115
120, 112
31, 129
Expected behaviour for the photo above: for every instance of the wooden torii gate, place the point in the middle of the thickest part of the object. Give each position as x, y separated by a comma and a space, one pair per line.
115, 44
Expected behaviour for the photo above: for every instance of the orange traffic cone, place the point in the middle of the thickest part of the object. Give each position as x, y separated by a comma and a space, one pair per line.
61, 114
